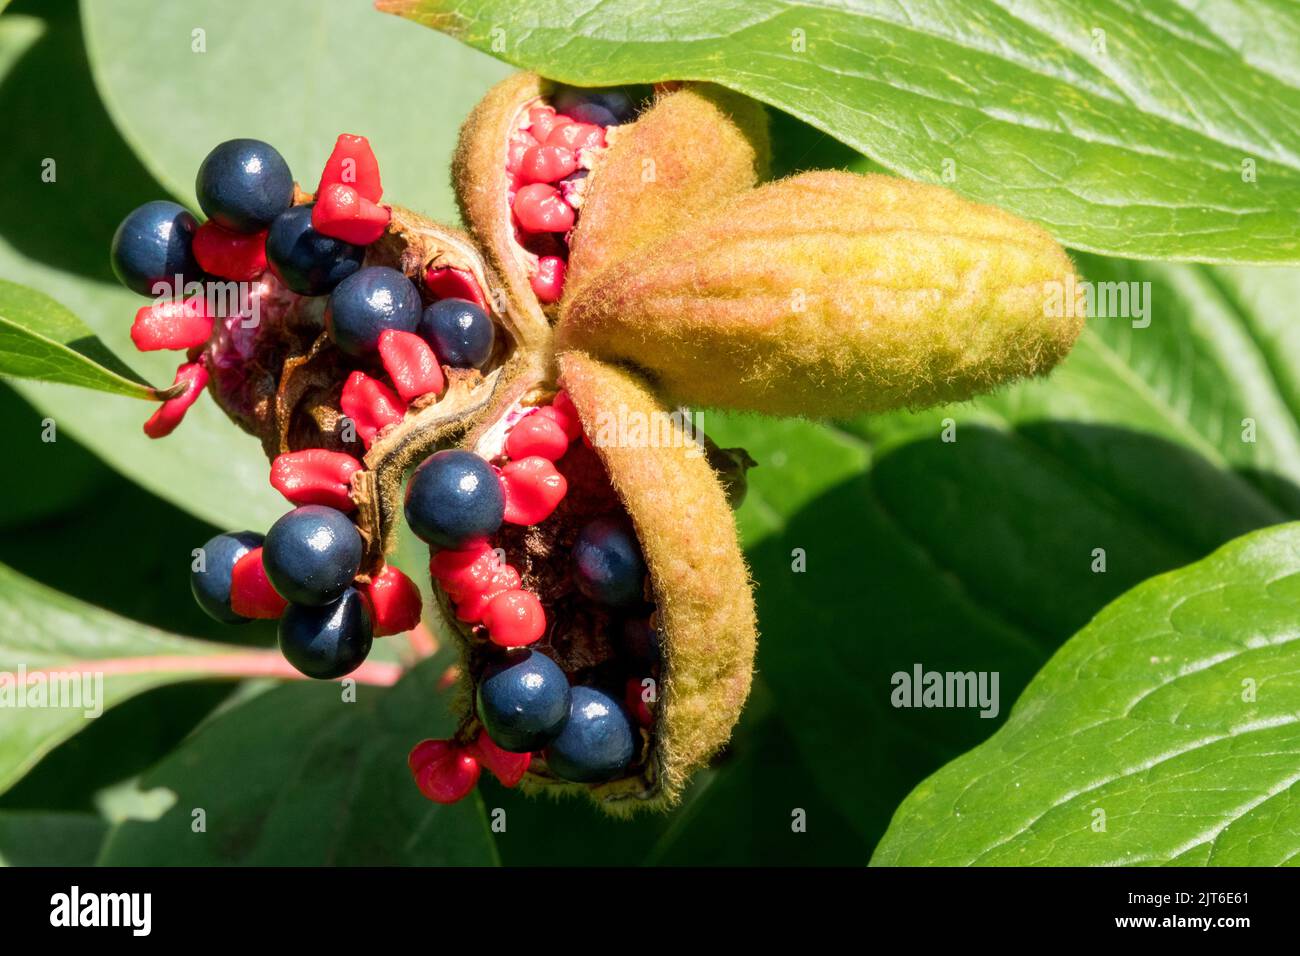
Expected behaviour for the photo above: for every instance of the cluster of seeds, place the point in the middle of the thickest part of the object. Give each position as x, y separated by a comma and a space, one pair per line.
307, 571
548, 158
407, 336
256, 234
538, 519
529, 543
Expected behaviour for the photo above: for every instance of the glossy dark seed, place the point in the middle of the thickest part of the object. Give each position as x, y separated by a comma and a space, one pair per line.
461, 333
243, 184
603, 106
153, 245
367, 303
523, 701
330, 641
211, 585
607, 563
454, 499
312, 554
596, 743
307, 261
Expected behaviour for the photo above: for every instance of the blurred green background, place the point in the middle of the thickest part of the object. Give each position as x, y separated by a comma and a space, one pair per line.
973, 555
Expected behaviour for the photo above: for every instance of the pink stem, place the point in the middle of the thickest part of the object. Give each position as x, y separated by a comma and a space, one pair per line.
243, 664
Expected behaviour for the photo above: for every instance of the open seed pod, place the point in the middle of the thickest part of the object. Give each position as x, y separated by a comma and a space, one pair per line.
629, 259
696, 597
696, 594
274, 370
283, 379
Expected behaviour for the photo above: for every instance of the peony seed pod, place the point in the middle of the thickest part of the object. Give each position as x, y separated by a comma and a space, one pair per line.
698, 584
705, 619
830, 294
478, 170
622, 259
695, 147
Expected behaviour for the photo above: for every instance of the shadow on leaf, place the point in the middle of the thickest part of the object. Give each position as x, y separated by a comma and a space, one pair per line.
68, 223
981, 555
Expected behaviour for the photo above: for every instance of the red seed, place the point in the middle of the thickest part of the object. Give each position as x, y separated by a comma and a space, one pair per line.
169, 414
636, 704
315, 476
562, 411
542, 120
577, 136
533, 489
443, 771
462, 571
540, 208
548, 281
444, 282
371, 405
473, 603
537, 434
425, 752
352, 163
394, 602
509, 768
172, 325
343, 213
515, 618
411, 364
251, 594
230, 255
547, 164
520, 142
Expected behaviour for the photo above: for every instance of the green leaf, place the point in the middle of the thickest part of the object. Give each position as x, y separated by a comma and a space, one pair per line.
40, 339
1165, 732
1169, 133
36, 838
55, 236
322, 781
54, 552
62, 663
757, 806
295, 73
978, 554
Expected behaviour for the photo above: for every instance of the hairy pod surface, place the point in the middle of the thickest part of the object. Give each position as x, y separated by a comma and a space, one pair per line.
831, 293
692, 149
705, 616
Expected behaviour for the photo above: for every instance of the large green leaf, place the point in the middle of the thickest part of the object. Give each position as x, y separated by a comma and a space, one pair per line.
82, 661
55, 237
1170, 131
1167, 731
320, 781
978, 554
295, 73
49, 839
40, 339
